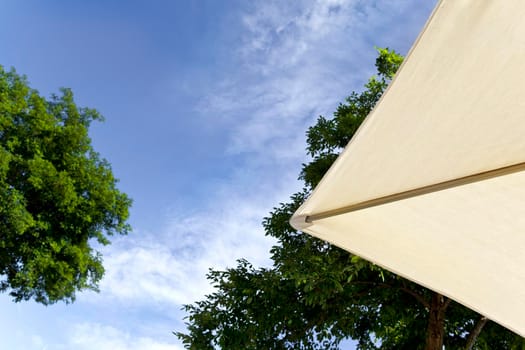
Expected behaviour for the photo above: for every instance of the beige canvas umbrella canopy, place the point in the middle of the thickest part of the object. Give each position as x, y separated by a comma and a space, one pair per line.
432, 186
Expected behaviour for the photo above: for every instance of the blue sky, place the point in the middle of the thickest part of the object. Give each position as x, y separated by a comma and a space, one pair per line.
206, 106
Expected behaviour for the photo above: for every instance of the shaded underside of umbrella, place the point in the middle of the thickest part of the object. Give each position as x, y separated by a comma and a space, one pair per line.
432, 186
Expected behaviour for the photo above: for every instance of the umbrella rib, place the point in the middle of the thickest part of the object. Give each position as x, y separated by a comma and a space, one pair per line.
418, 191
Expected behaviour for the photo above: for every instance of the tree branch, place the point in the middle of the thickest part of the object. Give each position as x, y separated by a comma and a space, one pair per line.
473, 336
405, 289
447, 302
418, 297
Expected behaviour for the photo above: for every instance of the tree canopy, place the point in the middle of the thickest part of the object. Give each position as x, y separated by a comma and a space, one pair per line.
56, 195
316, 294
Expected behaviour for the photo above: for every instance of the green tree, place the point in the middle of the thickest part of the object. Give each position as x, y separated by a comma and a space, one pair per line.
56, 195
317, 295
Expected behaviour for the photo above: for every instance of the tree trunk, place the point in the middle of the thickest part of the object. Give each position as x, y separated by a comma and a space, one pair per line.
436, 322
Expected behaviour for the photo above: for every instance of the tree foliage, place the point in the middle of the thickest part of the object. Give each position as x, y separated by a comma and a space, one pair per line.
316, 294
56, 195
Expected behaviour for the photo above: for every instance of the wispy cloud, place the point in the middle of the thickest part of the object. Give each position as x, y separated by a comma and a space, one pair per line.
162, 271
168, 267
37, 342
298, 60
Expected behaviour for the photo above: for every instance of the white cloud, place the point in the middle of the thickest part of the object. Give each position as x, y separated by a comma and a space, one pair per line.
169, 267
103, 337
298, 60
37, 342
161, 272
